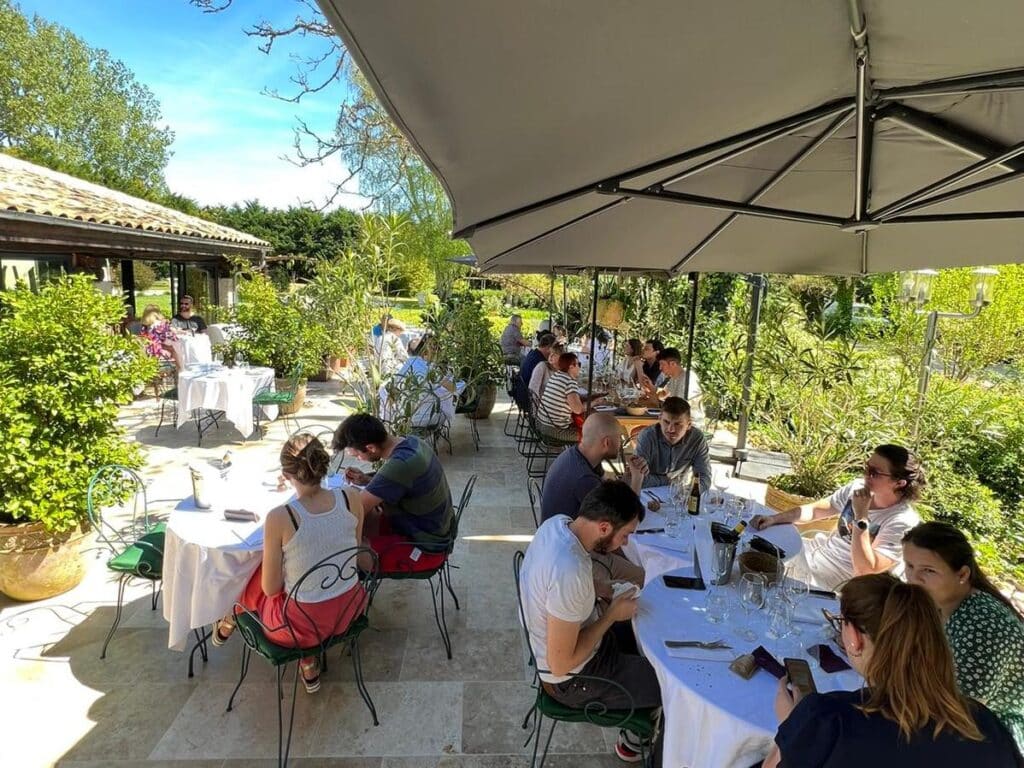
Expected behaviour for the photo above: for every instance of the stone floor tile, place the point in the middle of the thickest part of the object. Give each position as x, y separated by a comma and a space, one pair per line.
476, 655
416, 718
380, 652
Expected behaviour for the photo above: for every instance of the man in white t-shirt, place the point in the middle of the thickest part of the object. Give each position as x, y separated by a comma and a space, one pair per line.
569, 633
873, 514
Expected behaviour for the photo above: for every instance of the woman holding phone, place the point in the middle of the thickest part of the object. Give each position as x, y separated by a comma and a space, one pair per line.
910, 714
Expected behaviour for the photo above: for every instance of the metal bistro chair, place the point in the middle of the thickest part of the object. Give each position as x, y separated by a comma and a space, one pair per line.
137, 549
267, 396
642, 722
167, 392
548, 447
533, 488
343, 565
467, 405
511, 374
435, 562
325, 435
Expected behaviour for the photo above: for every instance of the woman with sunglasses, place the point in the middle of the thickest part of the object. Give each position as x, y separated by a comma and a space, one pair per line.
985, 629
910, 714
873, 514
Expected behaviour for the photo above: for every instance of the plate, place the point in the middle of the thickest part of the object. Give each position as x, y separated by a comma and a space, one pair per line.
604, 408
654, 412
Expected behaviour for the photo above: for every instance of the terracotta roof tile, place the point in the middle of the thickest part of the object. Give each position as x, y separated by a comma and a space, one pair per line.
29, 188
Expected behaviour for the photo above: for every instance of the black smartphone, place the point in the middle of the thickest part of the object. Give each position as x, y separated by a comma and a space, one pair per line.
799, 673
767, 662
684, 582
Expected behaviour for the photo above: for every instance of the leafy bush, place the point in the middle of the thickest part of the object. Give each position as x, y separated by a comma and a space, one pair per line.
145, 276
466, 344
339, 298
62, 376
277, 329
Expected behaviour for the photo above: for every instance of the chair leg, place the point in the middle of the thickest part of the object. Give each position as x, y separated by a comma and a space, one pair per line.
439, 618
246, 656
291, 718
163, 404
117, 616
154, 597
201, 638
357, 669
547, 745
447, 576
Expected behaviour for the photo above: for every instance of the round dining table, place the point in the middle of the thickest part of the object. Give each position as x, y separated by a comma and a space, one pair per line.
214, 387
713, 717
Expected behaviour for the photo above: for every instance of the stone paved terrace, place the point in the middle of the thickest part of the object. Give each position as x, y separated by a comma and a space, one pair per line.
64, 706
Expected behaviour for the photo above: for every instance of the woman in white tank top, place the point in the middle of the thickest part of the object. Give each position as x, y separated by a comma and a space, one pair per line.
310, 528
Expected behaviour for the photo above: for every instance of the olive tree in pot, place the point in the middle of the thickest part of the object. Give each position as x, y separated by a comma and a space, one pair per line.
63, 374
467, 347
278, 331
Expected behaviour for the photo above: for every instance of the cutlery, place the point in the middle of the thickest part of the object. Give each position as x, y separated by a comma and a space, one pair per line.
649, 530
714, 645
652, 497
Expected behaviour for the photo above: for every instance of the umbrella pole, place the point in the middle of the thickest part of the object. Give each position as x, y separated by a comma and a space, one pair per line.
565, 302
551, 303
593, 343
694, 277
757, 290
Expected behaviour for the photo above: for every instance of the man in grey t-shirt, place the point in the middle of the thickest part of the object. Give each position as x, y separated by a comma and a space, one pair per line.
512, 342
673, 444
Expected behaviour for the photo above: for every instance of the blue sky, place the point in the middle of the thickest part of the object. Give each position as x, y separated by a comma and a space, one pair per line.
209, 77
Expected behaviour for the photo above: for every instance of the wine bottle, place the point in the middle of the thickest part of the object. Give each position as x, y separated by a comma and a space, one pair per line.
693, 505
740, 527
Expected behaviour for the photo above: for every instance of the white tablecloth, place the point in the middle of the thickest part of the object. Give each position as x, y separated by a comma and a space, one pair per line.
207, 559
658, 553
714, 718
195, 349
230, 390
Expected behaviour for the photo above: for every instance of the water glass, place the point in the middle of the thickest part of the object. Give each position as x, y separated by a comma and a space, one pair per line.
671, 517
780, 613
716, 606
752, 589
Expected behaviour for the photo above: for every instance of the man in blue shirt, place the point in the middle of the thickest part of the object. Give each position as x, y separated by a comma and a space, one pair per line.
535, 357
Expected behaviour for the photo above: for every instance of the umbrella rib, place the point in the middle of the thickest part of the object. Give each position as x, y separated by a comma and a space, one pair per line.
952, 195
940, 218
797, 121
1007, 80
824, 136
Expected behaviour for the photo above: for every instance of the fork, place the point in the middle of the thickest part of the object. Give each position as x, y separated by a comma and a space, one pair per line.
713, 645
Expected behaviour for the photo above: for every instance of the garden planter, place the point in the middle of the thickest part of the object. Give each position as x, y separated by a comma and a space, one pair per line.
782, 500
610, 313
300, 396
35, 564
485, 403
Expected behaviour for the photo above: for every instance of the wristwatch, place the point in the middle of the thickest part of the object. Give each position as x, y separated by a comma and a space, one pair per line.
862, 524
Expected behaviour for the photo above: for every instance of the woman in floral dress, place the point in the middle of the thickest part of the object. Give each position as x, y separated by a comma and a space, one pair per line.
985, 629
160, 339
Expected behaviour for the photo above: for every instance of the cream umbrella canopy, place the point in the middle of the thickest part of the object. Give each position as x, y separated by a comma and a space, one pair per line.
836, 136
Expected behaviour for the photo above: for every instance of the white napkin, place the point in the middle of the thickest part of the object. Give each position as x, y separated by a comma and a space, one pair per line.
662, 541
809, 610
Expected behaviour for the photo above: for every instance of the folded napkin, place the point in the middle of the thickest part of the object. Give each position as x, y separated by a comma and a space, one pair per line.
662, 541
809, 610
830, 661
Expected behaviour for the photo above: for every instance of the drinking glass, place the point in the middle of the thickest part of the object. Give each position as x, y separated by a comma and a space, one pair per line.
796, 591
721, 563
752, 588
671, 516
780, 613
716, 606
719, 482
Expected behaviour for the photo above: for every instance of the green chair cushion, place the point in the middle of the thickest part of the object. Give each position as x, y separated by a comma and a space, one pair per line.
145, 557
281, 654
641, 722
274, 398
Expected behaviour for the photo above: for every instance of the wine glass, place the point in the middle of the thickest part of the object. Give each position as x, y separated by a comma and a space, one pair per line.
752, 588
780, 613
796, 590
719, 482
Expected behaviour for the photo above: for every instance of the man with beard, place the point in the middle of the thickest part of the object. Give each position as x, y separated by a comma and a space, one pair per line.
674, 444
568, 633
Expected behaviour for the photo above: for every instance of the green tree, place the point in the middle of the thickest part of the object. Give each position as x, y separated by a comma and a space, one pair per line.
72, 108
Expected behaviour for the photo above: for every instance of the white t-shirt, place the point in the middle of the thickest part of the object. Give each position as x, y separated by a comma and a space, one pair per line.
557, 580
830, 556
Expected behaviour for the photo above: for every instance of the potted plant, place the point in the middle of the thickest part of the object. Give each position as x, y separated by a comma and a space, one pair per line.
278, 331
611, 304
63, 375
468, 348
338, 296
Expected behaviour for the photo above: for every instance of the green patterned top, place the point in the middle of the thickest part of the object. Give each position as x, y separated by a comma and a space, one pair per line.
988, 647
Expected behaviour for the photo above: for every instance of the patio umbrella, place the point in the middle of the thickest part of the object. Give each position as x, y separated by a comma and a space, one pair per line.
838, 136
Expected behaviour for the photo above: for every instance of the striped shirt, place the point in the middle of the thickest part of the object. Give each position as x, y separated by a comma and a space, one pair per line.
555, 410
415, 493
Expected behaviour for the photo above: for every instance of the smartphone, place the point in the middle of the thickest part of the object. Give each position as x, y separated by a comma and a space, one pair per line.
684, 582
823, 593
240, 515
799, 673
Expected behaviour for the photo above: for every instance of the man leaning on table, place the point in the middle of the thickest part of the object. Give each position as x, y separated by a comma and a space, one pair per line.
407, 504
672, 445
568, 633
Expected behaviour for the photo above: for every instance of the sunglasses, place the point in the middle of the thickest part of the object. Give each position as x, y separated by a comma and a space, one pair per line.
874, 472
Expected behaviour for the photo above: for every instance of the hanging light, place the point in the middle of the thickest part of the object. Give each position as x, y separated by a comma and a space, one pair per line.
916, 286
984, 286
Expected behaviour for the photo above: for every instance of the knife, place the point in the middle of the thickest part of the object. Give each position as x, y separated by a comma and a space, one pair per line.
649, 530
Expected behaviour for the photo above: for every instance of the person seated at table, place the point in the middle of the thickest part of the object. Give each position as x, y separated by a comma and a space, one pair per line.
512, 342
159, 338
672, 382
673, 445
408, 504
378, 330
873, 515
984, 628
651, 367
418, 377
631, 370
186, 320
910, 713
575, 473
314, 525
561, 335
534, 359
541, 372
391, 353
560, 401
568, 634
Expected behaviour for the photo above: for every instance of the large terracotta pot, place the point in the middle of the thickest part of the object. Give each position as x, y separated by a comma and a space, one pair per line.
782, 500
485, 403
300, 396
35, 564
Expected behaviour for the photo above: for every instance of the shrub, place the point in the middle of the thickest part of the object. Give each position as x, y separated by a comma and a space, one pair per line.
145, 276
62, 376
